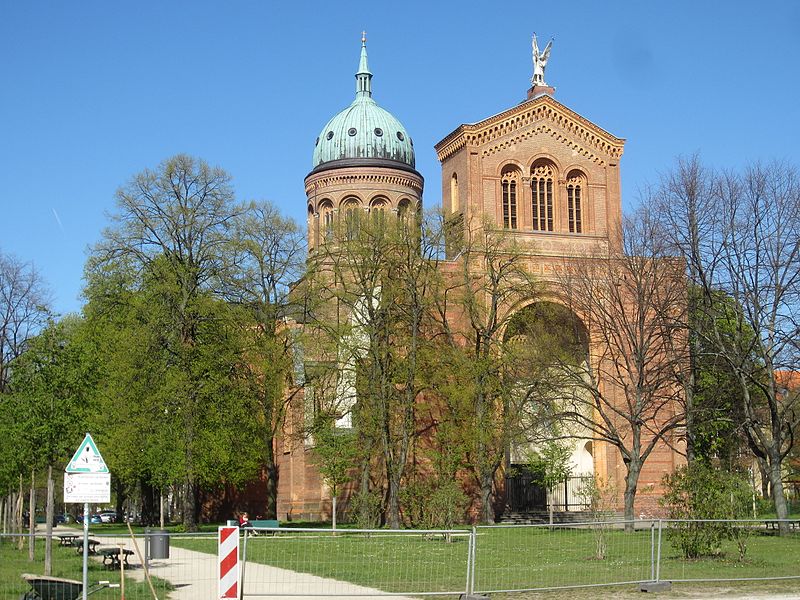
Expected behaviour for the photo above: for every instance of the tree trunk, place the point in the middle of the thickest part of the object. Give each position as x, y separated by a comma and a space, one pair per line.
487, 510
149, 514
393, 503
764, 476
119, 487
18, 510
271, 509
190, 506
631, 483
778, 497
32, 518
363, 490
49, 516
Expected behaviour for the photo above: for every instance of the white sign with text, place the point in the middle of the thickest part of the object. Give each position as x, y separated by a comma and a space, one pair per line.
94, 488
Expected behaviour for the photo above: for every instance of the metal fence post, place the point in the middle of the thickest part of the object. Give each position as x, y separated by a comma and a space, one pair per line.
243, 565
658, 554
652, 551
471, 562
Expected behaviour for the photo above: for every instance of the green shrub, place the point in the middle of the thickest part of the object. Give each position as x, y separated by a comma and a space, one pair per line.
434, 506
365, 509
702, 498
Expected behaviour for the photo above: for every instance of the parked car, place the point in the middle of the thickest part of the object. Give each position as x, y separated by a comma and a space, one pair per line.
109, 516
95, 519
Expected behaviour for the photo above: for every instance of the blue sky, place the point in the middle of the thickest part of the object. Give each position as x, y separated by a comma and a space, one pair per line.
92, 92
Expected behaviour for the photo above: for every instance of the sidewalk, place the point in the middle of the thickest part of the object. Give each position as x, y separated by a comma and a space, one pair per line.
194, 575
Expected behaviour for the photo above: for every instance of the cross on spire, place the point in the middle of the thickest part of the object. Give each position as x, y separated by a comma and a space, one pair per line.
364, 37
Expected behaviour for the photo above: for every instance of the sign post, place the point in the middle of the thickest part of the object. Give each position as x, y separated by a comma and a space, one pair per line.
86, 479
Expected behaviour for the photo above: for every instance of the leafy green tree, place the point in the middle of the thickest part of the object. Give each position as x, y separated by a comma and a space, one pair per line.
335, 454
472, 310
169, 237
175, 412
265, 256
371, 280
53, 381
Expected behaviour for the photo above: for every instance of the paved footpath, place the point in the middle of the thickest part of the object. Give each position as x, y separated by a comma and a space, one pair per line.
194, 576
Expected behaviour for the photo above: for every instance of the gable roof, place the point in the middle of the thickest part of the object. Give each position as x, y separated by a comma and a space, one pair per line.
549, 116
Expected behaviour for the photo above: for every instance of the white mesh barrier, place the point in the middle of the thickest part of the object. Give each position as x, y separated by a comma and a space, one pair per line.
290, 563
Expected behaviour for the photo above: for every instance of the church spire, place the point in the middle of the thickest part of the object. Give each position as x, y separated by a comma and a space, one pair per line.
363, 77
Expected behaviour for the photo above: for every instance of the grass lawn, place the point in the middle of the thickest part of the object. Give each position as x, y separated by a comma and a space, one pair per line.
67, 563
510, 558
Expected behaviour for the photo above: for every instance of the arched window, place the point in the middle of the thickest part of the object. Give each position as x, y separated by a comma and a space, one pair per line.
352, 218
510, 183
404, 209
326, 218
454, 193
542, 176
378, 212
575, 195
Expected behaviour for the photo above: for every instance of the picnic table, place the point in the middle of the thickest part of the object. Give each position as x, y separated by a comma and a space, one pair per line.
111, 556
774, 524
67, 539
78, 543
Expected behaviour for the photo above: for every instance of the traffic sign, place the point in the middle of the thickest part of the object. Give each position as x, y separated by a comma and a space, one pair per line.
87, 459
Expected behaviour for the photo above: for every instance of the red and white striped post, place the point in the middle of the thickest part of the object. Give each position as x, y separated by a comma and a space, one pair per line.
228, 562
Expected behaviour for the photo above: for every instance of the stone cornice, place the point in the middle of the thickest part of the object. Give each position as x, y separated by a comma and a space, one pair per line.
351, 175
586, 137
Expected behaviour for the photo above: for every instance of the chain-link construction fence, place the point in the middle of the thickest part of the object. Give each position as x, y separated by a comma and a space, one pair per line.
293, 562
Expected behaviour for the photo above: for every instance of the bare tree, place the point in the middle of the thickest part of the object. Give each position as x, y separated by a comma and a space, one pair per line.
634, 306
24, 309
742, 245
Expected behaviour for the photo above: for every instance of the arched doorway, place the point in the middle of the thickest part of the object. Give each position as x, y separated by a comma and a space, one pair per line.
547, 345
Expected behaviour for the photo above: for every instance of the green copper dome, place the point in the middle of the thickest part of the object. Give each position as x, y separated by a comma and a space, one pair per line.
363, 130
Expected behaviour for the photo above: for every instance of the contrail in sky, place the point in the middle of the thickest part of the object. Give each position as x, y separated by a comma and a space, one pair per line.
60, 226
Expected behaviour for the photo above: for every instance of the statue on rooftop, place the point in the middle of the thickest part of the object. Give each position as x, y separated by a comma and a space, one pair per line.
540, 61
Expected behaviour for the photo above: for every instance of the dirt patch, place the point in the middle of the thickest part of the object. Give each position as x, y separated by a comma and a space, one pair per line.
735, 590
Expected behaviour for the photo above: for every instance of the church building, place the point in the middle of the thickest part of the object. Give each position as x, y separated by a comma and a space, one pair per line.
539, 172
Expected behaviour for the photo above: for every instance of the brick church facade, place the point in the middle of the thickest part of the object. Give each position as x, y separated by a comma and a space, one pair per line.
539, 172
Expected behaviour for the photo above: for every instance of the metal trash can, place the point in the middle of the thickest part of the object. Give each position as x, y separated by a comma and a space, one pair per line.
157, 543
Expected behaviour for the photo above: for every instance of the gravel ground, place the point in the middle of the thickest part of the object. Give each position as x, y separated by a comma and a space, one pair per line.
743, 590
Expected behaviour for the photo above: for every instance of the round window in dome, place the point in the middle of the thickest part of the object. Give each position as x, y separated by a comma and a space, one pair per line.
400, 136
352, 131
329, 136
378, 131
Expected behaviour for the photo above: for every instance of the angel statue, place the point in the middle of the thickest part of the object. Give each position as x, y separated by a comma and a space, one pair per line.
540, 61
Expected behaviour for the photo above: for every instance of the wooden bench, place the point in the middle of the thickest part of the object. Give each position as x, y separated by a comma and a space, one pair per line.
265, 523
255, 525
